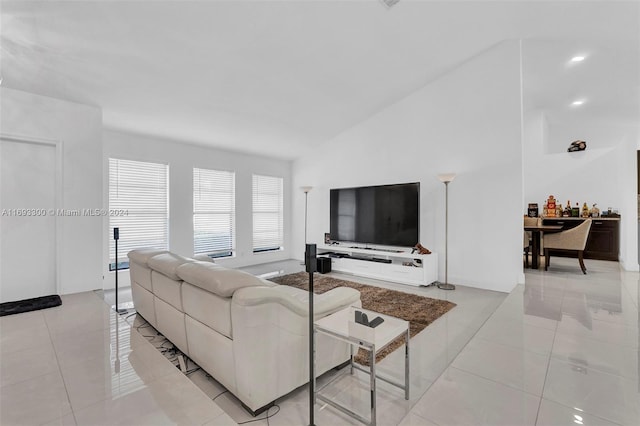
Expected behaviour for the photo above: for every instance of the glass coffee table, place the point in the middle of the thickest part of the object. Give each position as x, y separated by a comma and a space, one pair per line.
342, 326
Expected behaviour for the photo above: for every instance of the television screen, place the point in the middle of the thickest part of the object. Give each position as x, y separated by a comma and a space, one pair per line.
384, 215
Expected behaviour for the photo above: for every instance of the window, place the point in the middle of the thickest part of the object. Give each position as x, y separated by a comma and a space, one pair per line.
139, 191
214, 212
268, 215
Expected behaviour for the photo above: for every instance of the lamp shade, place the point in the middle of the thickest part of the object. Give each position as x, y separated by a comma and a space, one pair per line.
306, 189
446, 177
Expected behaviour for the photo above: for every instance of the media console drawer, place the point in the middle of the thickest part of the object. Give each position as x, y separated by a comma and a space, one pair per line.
391, 269
355, 266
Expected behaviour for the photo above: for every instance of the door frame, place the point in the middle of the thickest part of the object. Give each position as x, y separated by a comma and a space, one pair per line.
59, 153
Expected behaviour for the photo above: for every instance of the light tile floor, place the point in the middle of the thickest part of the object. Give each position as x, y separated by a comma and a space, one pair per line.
81, 363
560, 350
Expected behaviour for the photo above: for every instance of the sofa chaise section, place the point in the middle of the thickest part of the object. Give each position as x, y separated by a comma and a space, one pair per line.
167, 300
250, 334
207, 293
141, 286
271, 343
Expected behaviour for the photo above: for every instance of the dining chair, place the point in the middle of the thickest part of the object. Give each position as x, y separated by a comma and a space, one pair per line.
571, 240
528, 221
526, 242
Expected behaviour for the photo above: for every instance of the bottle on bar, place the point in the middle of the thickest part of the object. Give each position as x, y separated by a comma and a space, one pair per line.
575, 212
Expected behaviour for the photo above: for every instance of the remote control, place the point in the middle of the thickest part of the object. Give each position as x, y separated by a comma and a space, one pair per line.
376, 322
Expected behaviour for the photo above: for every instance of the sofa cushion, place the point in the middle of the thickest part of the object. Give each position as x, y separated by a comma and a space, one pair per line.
171, 324
297, 300
208, 308
167, 289
216, 279
143, 302
167, 263
213, 352
140, 274
142, 256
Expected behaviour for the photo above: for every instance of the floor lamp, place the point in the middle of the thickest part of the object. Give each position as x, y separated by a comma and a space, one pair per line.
446, 178
306, 190
310, 262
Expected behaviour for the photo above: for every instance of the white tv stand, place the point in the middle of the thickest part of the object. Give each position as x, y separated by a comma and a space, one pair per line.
357, 262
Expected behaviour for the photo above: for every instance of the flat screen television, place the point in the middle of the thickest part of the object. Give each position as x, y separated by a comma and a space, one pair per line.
385, 215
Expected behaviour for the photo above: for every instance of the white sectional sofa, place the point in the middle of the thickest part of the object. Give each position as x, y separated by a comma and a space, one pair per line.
250, 334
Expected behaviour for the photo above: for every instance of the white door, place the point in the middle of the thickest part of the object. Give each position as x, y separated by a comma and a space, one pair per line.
27, 227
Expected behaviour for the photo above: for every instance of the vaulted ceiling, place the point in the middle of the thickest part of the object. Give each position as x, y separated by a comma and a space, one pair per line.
278, 78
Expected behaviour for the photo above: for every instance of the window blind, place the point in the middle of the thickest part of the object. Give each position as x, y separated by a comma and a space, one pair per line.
214, 213
140, 191
268, 216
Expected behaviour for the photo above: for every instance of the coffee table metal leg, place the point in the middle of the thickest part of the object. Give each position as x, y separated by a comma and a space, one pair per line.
351, 357
372, 357
406, 365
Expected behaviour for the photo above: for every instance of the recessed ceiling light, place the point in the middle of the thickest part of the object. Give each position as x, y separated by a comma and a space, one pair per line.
577, 103
578, 58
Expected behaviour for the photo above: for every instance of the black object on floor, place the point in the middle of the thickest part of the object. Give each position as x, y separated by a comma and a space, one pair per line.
324, 265
27, 305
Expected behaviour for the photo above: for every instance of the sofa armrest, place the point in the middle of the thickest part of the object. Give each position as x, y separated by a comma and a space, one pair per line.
142, 256
271, 339
216, 279
297, 300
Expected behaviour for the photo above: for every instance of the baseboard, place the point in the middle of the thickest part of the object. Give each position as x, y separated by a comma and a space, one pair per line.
633, 267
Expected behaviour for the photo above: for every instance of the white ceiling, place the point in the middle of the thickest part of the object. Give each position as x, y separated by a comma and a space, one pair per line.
278, 78
607, 80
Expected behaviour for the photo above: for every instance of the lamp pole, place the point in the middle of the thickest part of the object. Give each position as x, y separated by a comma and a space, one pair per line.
306, 190
310, 261
446, 178
116, 237
306, 197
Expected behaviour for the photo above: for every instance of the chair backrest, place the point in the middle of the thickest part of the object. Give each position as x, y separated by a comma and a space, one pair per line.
531, 221
571, 239
582, 233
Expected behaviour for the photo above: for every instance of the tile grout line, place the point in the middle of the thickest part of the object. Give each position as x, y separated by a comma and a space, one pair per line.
167, 360
546, 374
590, 414
64, 382
496, 382
24, 350
449, 365
501, 383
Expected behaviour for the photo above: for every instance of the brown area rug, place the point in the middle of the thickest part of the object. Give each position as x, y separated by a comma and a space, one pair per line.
420, 311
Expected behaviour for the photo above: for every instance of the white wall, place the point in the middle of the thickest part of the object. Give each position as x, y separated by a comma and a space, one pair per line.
605, 173
626, 184
182, 158
79, 130
469, 122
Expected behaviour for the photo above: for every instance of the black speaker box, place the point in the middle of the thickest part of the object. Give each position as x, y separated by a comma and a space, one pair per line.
310, 257
324, 265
